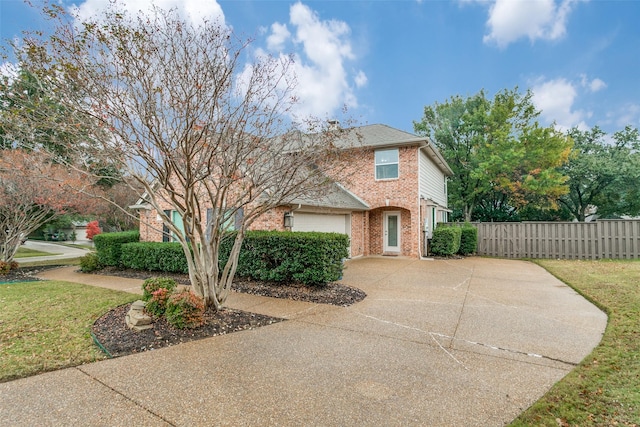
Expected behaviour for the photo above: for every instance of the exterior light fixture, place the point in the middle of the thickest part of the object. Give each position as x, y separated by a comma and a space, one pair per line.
288, 220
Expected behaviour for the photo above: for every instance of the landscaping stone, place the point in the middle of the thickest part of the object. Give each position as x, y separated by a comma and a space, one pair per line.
136, 319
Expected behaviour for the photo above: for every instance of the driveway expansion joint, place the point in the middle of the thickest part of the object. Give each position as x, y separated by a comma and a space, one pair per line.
125, 397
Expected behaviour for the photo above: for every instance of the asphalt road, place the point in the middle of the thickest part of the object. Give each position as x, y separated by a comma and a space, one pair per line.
59, 251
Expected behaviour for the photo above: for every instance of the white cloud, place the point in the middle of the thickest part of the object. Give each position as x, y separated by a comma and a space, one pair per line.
321, 49
192, 10
9, 70
510, 20
555, 99
594, 85
361, 79
279, 35
629, 114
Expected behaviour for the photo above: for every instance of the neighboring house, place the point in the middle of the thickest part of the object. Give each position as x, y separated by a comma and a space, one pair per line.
395, 194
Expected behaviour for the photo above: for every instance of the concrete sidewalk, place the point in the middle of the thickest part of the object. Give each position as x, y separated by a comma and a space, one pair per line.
435, 343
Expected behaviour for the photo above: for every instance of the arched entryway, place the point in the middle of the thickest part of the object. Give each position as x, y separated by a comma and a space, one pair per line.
390, 231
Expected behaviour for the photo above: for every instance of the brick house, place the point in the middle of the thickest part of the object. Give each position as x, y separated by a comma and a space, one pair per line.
395, 195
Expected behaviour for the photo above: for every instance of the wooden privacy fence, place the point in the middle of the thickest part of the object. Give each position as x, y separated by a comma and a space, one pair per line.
617, 239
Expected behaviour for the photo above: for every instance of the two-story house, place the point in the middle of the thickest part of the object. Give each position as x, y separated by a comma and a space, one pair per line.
395, 195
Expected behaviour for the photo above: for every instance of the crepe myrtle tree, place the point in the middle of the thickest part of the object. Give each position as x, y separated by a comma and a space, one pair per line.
34, 191
201, 132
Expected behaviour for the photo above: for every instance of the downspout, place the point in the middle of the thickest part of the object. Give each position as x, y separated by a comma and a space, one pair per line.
420, 232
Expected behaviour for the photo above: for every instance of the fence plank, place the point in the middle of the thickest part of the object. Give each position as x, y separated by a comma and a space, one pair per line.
564, 240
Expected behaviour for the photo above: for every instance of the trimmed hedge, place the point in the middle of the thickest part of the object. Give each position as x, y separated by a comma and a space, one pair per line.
273, 256
108, 246
307, 257
446, 240
468, 239
154, 256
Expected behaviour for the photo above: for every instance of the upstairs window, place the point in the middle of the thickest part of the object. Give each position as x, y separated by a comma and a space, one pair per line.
387, 164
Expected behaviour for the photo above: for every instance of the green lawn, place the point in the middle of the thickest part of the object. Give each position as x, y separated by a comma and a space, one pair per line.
26, 253
605, 388
46, 325
66, 261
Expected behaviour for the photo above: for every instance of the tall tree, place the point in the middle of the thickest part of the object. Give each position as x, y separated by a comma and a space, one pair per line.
501, 157
27, 95
195, 129
604, 173
33, 191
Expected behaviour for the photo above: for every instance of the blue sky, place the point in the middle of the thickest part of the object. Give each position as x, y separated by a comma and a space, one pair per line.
386, 60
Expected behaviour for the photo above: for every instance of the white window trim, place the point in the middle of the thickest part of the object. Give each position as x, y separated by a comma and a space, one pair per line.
375, 165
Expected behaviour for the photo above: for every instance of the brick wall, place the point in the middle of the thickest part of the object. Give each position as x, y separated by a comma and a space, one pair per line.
366, 227
387, 195
271, 220
359, 225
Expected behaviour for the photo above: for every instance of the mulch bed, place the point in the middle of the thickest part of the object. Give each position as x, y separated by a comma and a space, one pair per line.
114, 337
332, 293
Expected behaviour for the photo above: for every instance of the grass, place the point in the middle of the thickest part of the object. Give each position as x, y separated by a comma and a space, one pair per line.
605, 388
46, 325
66, 261
26, 253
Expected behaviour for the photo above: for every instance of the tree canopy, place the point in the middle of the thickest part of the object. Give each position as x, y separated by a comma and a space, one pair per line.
33, 191
201, 133
604, 174
503, 160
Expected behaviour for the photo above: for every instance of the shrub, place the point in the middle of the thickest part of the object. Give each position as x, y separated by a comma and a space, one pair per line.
310, 258
446, 240
154, 256
6, 267
151, 285
185, 310
468, 239
93, 229
108, 246
158, 302
89, 263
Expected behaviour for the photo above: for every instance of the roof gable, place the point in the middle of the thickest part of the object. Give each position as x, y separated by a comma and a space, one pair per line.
382, 136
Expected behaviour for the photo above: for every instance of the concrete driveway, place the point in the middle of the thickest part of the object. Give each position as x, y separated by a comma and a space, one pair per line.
469, 342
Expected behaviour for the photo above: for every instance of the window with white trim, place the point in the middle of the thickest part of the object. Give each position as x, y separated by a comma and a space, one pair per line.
387, 164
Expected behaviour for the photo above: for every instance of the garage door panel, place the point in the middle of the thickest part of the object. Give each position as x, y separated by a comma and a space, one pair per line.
320, 222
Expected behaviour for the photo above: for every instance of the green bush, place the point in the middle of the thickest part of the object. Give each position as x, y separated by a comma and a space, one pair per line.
89, 263
158, 302
152, 284
108, 246
185, 310
468, 239
310, 258
154, 256
446, 240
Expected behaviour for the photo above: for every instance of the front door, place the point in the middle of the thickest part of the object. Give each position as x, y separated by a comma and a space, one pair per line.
391, 232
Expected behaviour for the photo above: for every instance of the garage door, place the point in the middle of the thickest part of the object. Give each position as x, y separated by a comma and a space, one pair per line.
330, 223
327, 223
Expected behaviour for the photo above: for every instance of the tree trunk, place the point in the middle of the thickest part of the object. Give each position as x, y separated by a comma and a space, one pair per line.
468, 210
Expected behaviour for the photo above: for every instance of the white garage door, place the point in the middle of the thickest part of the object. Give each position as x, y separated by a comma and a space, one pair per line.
327, 223
320, 222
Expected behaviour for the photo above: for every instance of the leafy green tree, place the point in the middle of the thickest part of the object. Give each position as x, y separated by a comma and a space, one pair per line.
502, 159
604, 173
30, 96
